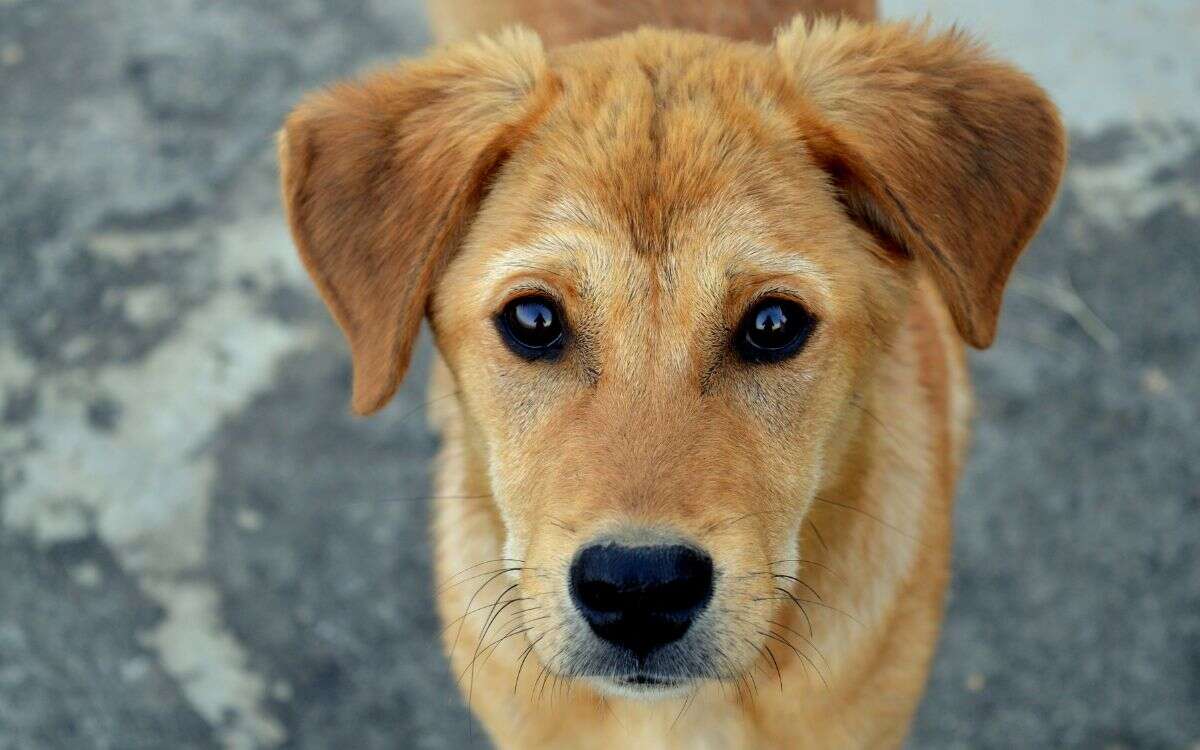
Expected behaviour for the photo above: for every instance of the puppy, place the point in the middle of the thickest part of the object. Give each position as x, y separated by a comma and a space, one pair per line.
699, 291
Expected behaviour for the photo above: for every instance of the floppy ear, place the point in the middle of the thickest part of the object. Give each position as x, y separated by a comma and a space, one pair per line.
945, 154
381, 175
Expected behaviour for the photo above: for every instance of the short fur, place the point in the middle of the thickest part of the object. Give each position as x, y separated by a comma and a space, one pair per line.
655, 183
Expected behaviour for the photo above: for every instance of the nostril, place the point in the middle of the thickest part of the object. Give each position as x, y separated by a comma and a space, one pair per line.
599, 596
683, 593
641, 597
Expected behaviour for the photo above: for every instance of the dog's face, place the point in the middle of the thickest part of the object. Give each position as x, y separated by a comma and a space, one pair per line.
656, 323
659, 268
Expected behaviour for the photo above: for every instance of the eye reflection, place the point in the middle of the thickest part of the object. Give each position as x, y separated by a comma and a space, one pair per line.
532, 327
773, 330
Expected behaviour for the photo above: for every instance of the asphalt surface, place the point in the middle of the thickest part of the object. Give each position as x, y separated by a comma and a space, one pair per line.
200, 548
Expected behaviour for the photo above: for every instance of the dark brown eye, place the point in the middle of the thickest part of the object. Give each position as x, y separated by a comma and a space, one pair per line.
532, 327
773, 330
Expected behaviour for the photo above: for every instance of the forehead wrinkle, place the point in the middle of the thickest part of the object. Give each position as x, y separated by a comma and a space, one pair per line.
539, 255
741, 245
571, 211
756, 260
581, 261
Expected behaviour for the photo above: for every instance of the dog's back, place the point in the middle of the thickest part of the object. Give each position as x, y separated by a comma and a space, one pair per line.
565, 21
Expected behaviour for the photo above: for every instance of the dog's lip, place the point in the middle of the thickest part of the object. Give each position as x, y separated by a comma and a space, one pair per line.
649, 681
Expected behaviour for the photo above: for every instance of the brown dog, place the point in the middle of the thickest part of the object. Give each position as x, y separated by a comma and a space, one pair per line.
699, 301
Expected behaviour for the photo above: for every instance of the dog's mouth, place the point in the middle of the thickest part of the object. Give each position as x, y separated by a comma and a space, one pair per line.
649, 681
643, 685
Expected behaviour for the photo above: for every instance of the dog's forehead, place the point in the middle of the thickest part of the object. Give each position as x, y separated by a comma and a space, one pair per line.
716, 243
661, 164
649, 131
663, 172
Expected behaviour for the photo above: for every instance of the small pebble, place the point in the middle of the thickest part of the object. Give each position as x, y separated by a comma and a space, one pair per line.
78, 347
11, 54
1155, 381
87, 574
135, 669
281, 691
249, 519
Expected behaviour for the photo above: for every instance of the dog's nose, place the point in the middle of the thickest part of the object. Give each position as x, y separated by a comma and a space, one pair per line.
641, 598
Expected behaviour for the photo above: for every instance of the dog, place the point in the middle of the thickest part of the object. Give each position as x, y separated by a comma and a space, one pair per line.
699, 277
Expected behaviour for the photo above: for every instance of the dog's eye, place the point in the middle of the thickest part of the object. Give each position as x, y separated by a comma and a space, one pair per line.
532, 327
773, 330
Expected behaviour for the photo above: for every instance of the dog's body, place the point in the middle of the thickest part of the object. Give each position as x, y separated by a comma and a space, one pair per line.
560, 22
646, 187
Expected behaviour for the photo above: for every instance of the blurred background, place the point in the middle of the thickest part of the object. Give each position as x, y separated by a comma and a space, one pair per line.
200, 548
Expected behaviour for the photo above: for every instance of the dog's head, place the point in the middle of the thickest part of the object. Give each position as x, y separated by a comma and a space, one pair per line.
659, 267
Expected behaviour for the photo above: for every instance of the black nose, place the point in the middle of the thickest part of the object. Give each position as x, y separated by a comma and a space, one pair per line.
641, 598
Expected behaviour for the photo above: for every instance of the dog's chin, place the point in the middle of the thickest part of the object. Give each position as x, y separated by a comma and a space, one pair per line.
643, 687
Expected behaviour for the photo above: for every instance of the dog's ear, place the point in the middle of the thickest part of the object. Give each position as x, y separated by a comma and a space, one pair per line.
381, 175
948, 156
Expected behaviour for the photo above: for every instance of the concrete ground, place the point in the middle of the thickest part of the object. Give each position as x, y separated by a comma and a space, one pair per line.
200, 548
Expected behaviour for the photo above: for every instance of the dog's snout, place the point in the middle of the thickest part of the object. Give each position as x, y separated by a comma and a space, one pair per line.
641, 598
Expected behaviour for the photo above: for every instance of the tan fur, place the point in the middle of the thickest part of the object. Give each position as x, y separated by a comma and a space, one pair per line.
560, 22
655, 183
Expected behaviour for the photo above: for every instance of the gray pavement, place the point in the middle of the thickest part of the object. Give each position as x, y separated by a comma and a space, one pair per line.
200, 548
